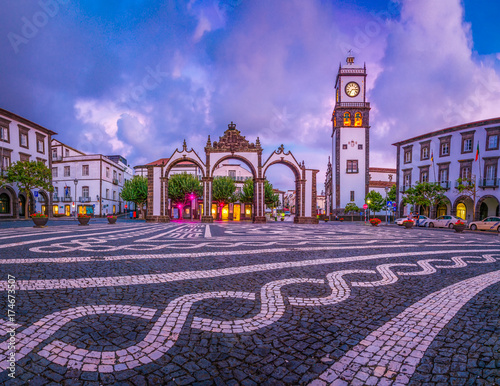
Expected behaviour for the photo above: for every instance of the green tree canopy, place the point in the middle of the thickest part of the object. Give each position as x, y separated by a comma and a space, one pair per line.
136, 191
424, 193
391, 194
180, 186
223, 190
270, 198
376, 201
29, 175
352, 208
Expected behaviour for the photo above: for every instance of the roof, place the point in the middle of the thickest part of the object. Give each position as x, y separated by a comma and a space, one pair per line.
451, 129
25, 121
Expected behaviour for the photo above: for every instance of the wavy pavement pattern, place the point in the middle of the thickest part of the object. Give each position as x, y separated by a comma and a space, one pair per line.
392, 352
168, 326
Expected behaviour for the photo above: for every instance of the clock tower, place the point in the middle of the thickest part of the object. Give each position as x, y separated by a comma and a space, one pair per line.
350, 138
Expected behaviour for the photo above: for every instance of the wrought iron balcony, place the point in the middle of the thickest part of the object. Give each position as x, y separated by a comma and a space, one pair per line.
57, 158
353, 105
489, 182
66, 199
466, 183
84, 199
55, 198
115, 181
444, 184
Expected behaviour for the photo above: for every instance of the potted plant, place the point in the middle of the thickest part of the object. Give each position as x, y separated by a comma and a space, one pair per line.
112, 219
39, 219
326, 218
375, 222
341, 219
84, 219
408, 224
459, 226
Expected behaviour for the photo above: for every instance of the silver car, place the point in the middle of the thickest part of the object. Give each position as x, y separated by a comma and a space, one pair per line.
488, 224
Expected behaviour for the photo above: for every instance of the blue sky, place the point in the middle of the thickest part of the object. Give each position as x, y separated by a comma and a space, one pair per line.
136, 77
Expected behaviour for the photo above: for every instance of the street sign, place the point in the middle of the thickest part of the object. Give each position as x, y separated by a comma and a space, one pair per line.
35, 193
394, 209
394, 204
365, 206
93, 205
389, 203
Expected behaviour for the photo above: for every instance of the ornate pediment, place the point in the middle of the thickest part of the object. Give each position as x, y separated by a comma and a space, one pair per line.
232, 141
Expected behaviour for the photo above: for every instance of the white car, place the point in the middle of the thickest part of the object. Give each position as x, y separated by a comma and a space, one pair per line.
421, 221
489, 223
444, 222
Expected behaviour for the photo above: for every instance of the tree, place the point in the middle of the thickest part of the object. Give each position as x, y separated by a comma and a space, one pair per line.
424, 194
352, 208
223, 192
29, 175
376, 201
136, 191
182, 186
391, 194
246, 195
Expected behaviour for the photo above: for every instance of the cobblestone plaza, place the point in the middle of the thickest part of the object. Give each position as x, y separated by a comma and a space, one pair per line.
250, 304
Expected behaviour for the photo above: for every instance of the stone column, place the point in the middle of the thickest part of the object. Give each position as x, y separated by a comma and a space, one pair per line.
164, 215
258, 199
207, 200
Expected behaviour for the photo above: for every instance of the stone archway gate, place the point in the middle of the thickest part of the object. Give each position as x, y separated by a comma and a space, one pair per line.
232, 145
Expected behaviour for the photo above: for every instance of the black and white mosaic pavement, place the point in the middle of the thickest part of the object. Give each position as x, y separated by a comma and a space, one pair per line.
246, 304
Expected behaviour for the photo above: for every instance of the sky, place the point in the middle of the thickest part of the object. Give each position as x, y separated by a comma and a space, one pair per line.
136, 77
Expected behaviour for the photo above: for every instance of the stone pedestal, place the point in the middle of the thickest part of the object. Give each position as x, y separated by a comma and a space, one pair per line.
207, 219
259, 220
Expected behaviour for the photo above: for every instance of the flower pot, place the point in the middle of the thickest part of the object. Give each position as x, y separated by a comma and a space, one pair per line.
459, 228
112, 220
408, 225
282, 219
39, 221
374, 224
84, 220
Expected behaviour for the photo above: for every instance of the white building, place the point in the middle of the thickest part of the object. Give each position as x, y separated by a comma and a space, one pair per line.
22, 140
91, 183
445, 155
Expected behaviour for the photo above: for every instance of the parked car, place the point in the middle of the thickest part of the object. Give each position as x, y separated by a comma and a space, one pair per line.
421, 221
444, 222
489, 223
399, 221
287, 213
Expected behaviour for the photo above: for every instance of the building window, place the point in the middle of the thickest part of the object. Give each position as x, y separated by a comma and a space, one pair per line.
352, 166
66, 152
467, 141
4, 203
107, 193
407, 155
424, 176
347, 119
443, 176
85, 170
85, 192
352, 195
24, 157
493, 142
467, 146
114, 174
55, 194
4, 134
54, 154
424, 151
5, 161
40, 146
67, 191
232, 173
114, 195
344, 146
120, 178
406, 179
445, 148
358, 120
66, 171
465, 173
360, 147
107, 172
23, 138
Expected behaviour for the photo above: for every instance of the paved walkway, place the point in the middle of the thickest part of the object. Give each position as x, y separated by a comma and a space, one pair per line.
336, 303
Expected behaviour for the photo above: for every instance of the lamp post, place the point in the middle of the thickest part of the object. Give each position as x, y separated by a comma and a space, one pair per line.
76, 183
98, 203
368, 209
386, 191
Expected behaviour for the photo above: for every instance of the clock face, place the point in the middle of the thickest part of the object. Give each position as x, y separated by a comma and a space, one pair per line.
352, 89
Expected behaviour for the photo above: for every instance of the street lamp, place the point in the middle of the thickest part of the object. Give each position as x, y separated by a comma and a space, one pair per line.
368, 209
386, 191
76, 183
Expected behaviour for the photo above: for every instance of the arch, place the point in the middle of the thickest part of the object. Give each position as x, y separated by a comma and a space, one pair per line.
492, 206
358, 119
12, 201
294, 168
347, 118
442, 208
5, 205
44, 194
467, 201
170, 165
234, 156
